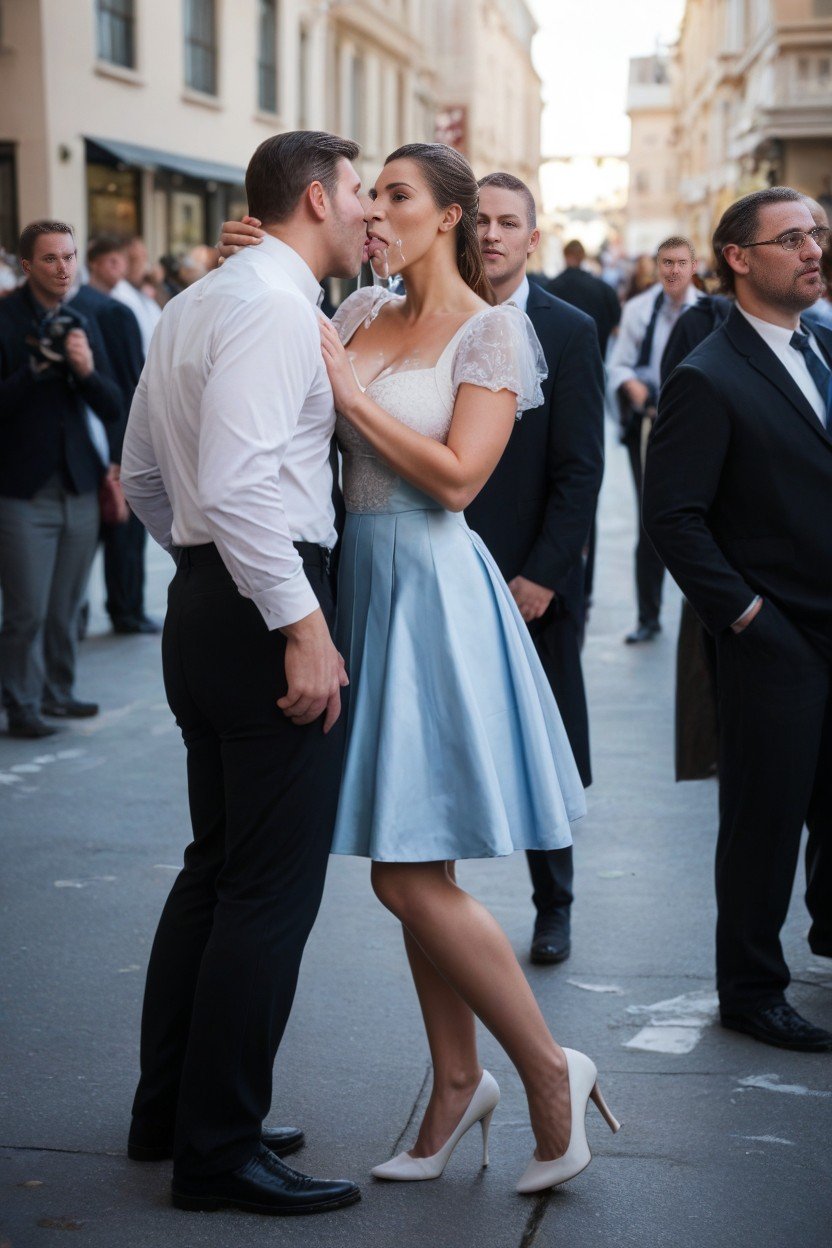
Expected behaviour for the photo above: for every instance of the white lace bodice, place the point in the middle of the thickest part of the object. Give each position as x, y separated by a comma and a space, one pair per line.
496, 349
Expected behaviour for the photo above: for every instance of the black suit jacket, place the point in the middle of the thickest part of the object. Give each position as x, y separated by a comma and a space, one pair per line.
124, 362
593, 296
738, 484
535, 512
43, 423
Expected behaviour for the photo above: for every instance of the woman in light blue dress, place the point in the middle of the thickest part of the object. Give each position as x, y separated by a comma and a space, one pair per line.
455, 747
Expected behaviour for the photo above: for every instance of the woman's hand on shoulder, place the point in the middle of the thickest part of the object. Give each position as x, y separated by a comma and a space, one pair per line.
345, 388
238, 234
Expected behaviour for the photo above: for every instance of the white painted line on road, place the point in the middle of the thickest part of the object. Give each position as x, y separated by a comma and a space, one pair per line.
576, 983
165, 866
764, 1139
676, 1025
6, 777
771, 1083
93, 879
25, 768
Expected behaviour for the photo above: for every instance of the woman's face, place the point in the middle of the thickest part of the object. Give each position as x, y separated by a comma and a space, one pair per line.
403, 216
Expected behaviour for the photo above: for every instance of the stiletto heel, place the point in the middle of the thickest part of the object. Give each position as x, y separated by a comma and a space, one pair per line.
583, 1084
612, 1122
405, 1168
485, 1123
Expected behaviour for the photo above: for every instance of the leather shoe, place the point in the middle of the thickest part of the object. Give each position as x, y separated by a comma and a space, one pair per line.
780, 1025
549, 946
278, 1140
130, 625
30, 726
644, 632
70, 709
264, 1184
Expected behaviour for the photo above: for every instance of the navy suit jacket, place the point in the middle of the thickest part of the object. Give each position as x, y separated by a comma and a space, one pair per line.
535, 512
124, 362
738, 484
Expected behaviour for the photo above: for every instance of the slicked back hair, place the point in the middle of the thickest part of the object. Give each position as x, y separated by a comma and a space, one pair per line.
33, 231
285, 165
738, 224
508, 182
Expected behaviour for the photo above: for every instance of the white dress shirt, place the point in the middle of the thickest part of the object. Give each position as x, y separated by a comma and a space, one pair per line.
146, 310
521, 295
229, 434
635, 318
794, 361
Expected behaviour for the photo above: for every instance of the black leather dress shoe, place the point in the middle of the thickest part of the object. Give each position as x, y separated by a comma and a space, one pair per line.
131, 625
263, 1185
30, 727
780, 1025
278, 1140
549, 947
644, 632
70, 709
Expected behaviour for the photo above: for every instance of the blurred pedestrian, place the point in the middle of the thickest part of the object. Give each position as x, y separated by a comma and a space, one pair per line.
584, 290
642, 276
129, 290
49, 478
738, 500
124, 541
634, 378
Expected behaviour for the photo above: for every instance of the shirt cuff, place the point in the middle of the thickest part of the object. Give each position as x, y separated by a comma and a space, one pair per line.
747, 611
287, 603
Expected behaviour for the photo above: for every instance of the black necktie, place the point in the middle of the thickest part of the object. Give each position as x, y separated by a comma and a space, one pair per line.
820, 373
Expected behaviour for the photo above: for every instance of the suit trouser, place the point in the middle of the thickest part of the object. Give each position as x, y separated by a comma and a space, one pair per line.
559, 648
124, 568
47, 544
775, 769
649, 567
263, 794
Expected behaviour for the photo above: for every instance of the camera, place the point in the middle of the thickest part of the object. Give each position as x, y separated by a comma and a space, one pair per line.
48, 348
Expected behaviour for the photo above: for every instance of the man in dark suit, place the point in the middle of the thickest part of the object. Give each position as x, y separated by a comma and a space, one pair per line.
586, 291
49, 478
535, 512
738, 502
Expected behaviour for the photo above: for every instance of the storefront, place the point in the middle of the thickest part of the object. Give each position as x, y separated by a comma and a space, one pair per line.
8, 199
175, 202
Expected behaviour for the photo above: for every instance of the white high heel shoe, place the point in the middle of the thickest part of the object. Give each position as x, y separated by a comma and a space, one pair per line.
407, 1169
583, 1085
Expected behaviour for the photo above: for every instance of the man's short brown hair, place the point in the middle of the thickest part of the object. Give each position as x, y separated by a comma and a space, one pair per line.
285, 165
508, 182
676, 240
104, 245
575, 250
33, 231
738, 224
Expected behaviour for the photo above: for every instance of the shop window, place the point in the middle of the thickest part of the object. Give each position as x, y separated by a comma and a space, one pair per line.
201, 46
116, 32
8, 199
823, 8
267, 60
113, 200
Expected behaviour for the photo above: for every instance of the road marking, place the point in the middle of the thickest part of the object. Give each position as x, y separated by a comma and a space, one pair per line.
676, 1025
771, 1083
93, 879
613, 988
765, 1139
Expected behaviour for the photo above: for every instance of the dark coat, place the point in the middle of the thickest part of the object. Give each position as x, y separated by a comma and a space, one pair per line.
43, 422
593, 296
122, 340
738, 484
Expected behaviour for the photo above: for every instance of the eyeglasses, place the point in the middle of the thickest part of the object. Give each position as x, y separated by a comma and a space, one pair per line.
793, 240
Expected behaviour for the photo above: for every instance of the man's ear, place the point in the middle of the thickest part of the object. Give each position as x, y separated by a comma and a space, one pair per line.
736, 257
316, 200
451, 217
534, 240
26, 267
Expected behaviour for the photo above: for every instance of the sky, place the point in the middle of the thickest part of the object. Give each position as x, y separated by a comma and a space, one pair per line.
582, 53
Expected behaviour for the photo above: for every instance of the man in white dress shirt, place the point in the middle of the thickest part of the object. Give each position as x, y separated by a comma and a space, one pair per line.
738, 501
227, 461
634, 378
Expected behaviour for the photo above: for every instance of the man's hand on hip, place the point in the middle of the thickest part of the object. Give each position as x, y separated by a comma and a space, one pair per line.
315, 673
532, 599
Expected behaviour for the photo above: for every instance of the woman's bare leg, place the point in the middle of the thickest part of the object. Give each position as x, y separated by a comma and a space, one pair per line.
469, 950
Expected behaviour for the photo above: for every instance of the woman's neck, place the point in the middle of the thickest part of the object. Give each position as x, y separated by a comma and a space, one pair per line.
434, 285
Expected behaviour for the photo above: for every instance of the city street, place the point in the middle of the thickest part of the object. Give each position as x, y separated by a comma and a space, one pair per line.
724, 1140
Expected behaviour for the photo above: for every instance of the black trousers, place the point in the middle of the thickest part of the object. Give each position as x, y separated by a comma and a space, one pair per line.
649, 567
775, 769
124, 568
558, 644
263, 795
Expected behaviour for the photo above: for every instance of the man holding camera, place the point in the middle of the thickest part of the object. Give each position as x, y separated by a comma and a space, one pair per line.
49, 478
634, 378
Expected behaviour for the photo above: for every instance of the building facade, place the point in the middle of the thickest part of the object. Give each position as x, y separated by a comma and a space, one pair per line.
138, 116
651, 200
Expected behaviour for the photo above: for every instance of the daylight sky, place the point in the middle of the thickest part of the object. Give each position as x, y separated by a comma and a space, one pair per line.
582, 53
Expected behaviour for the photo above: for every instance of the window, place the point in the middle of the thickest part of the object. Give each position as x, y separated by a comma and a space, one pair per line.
823, 8
267, 58
116, 32
201, 46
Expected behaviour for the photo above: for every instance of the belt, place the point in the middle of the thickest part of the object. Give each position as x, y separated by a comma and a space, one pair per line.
201, 556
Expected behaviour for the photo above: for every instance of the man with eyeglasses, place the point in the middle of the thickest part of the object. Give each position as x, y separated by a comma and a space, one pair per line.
738, 501
634, 378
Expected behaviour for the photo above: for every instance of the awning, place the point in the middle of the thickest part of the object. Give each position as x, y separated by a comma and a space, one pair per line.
152, 158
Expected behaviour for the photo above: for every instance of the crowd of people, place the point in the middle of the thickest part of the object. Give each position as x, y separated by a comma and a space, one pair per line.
723, 405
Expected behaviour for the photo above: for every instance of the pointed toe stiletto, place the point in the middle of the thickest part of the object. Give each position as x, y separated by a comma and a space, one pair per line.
407, 1169
583, 1086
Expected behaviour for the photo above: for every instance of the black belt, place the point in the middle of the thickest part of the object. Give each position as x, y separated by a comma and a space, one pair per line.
201, 556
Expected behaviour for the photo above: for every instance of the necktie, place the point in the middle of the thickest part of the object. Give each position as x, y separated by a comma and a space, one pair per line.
820, 373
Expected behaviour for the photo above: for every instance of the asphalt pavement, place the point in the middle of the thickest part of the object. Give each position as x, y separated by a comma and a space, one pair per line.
724, 1140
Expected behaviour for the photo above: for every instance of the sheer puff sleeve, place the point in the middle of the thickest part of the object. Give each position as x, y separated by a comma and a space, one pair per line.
501, 351
360, 308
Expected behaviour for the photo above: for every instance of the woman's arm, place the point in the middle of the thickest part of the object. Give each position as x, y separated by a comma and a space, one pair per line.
453, 473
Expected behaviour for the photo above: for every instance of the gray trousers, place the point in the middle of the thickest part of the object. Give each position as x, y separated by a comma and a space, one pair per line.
47, 544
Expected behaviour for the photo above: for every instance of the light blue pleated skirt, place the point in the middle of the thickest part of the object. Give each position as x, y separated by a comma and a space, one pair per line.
455, 746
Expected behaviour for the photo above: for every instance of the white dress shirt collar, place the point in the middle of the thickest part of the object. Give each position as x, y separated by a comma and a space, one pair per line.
295, 266
774, 336
521, 295
779, 340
